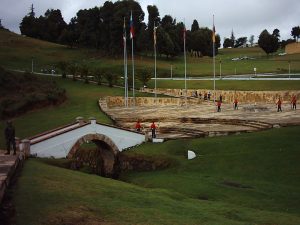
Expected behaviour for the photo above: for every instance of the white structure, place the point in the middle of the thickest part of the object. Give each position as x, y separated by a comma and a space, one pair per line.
59, 142
191, 154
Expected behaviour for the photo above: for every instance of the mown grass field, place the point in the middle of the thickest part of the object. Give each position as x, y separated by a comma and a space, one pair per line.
247, 179
17, 52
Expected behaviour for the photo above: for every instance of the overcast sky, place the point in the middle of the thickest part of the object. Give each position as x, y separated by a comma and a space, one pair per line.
243, 17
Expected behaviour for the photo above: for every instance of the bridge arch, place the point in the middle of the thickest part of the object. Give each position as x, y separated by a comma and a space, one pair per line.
109, 153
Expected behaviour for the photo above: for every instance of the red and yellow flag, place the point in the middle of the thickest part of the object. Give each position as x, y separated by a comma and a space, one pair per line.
214, 35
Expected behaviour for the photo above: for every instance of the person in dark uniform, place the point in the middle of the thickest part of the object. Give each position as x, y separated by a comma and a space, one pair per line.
9, 134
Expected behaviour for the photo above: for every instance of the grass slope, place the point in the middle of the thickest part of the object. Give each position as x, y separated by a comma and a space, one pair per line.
191, 192
16, 52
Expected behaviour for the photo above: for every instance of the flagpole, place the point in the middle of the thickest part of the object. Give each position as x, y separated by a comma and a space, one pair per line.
133, 95
154, 40
132, 57
214, 58
125, 67
185, 64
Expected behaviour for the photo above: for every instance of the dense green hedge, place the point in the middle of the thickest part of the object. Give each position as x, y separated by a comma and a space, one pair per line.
20, 93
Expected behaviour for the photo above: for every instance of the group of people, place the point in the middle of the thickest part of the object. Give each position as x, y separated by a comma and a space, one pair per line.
293, 103
278, 103
153, 127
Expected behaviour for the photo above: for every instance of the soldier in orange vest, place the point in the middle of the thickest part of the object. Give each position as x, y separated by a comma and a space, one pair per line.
138, 126
219, 106
293, 102
153, 129
279, 105
235, 104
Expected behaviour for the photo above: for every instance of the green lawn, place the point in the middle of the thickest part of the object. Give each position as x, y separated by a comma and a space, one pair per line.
246, 85
17, 52
247, 179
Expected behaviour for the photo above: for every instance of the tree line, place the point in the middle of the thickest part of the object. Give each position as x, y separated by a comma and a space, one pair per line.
267, 41
102, 28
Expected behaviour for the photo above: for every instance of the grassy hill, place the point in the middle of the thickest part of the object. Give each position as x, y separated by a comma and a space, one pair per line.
237, 180
17, 52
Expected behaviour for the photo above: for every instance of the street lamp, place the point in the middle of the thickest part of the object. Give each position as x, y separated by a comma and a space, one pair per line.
220, 69
31, 64
171, 71
289, 69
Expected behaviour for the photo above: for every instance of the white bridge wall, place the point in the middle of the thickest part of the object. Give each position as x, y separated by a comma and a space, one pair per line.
60, 145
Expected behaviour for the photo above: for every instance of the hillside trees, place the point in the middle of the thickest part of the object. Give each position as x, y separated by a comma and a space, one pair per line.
101, 28
268, 42
295, 33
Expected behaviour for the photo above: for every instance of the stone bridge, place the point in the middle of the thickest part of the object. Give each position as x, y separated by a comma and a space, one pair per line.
65, 141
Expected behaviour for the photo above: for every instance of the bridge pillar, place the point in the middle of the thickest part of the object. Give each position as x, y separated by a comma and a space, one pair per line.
25, 147
80, 120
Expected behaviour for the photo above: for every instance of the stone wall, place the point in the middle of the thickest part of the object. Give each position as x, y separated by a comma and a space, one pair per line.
229, 96
292, 48
144, 101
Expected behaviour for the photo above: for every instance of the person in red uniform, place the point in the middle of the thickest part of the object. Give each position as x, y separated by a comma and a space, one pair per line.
153, 129
293, 102
235, 103
219, 106
138, 126
279, 105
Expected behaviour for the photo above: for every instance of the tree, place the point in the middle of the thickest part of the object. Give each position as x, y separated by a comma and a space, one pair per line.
251, 40
1, 26
111, 79
201, 41
195, 26
72, 69
31, 13
232, 39
286, 42
84, 72
54, 25
164, 42
98, 74
295, 33
62, 65
269, 43
144, 75
153, 17
227, 43
276, 33
240, 42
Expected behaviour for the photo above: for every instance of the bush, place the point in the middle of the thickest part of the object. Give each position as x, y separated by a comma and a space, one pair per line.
20, 93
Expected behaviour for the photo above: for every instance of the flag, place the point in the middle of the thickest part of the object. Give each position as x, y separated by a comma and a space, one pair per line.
124, 33
154, 35
131, 27
214, 34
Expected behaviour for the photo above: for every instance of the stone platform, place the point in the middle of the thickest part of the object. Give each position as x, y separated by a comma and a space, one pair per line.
200, 118
8, 167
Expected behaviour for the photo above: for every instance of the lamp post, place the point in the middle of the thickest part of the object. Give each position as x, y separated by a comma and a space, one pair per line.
31, 64
289, 69
171, 71
220, 69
